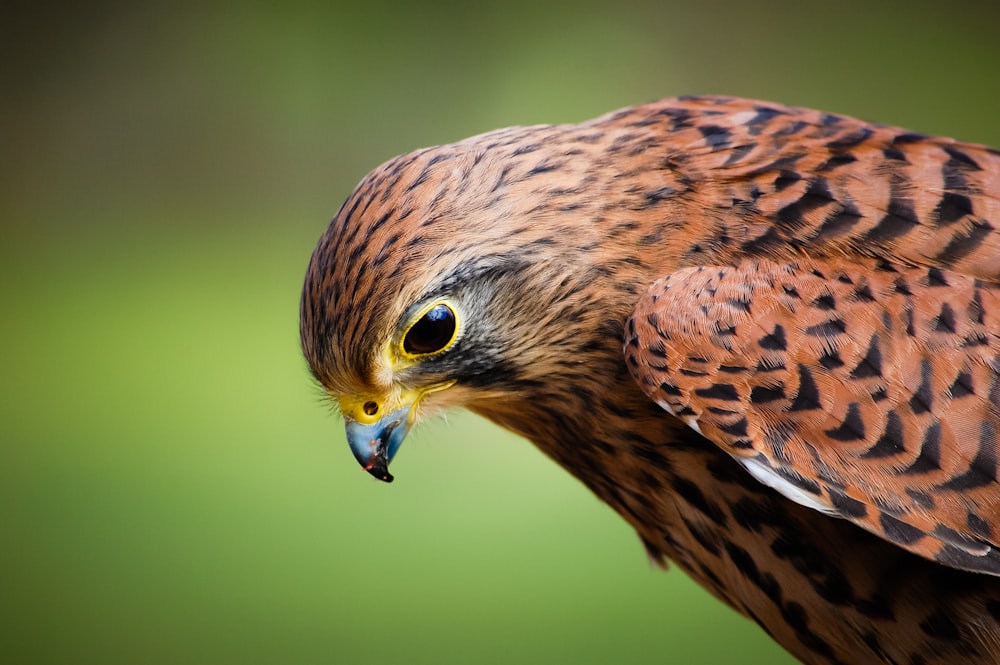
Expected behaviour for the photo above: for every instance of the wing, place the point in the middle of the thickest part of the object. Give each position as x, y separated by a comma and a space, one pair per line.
863, 390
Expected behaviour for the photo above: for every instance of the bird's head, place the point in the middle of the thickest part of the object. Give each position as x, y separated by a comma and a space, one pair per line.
460, 276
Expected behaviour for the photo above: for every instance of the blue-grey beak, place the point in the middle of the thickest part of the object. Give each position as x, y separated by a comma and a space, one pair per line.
375, 445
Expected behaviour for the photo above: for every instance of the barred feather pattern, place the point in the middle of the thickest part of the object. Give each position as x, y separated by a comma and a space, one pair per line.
804, 417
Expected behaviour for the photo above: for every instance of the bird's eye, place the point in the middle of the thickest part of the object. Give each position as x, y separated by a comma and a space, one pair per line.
432, 332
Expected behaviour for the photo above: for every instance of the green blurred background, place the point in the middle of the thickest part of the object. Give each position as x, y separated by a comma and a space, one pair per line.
172, 489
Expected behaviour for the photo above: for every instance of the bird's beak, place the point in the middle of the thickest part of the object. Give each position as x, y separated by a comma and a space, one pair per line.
375, 444
377, 426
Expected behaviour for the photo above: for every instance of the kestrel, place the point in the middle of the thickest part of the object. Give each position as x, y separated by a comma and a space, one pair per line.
766, 336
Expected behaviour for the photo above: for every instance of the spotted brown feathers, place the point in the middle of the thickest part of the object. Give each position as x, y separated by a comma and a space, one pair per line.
871, 388
814, 300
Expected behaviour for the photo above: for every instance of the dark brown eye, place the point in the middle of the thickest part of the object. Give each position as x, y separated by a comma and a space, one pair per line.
433, 332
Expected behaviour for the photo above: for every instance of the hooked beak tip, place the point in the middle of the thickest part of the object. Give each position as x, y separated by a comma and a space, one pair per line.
376, 443
379, 468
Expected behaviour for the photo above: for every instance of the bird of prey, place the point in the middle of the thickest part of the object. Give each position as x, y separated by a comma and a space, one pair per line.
766, 336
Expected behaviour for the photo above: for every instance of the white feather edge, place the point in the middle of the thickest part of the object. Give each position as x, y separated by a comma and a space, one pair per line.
765, 474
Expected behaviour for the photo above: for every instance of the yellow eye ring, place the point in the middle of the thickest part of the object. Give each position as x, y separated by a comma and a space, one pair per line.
432, 331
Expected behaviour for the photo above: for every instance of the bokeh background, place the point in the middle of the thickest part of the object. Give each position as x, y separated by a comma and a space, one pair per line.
172, 489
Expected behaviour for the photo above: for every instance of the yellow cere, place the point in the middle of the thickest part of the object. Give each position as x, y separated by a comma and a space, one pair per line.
359, 408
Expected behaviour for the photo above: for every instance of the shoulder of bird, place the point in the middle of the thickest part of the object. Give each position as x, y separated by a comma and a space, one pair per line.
810, 297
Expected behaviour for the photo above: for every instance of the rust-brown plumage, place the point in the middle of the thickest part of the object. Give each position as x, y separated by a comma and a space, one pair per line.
812, 299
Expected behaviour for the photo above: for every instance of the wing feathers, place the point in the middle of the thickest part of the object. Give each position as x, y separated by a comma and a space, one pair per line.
863, 390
